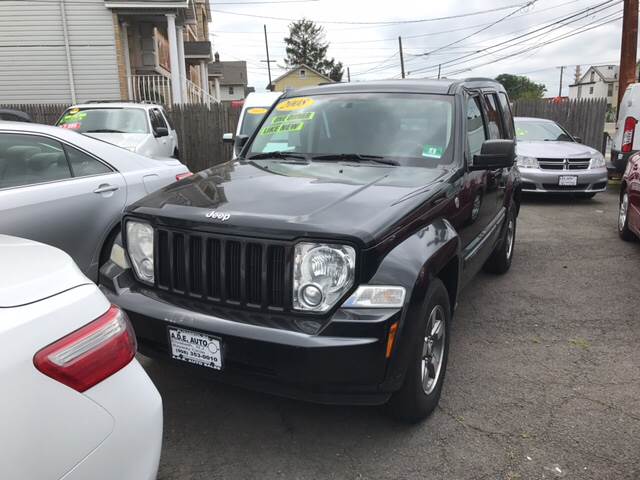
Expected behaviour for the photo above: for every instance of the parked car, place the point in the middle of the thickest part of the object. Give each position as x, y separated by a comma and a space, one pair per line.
69, 190
76, 404
626, 140
11, 115
325, 263
553, 161
629, 212
142, 128
254, 108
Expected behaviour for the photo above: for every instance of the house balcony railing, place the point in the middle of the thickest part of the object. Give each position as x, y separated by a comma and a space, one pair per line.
158, 89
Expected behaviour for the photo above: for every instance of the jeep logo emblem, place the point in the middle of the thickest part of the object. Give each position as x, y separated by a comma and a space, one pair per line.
223, 217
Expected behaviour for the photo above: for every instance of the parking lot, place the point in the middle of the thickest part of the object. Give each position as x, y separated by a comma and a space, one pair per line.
543, 380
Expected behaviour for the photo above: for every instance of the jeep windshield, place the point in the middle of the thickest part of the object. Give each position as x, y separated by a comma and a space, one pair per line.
105, 120
410, 129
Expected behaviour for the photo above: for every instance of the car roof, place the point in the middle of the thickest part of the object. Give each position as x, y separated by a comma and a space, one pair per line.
261, 99
438, 87
145, 106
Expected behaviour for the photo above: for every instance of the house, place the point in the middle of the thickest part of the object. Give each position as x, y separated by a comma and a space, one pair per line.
299, 77
228, 79
599, 81
73, 51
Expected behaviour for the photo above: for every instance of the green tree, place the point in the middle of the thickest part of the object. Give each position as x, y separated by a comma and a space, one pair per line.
518, 87
306, 44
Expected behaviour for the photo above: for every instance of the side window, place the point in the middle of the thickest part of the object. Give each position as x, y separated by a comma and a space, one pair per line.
30, 159
507, 115
159, 118
167, 119
82, 165
496, 130
476, 131
154, 120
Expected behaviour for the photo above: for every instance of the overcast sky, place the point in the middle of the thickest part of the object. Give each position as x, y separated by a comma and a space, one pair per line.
371, 50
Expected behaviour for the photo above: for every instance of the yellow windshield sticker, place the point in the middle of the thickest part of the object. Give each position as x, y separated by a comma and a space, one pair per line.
295, 104
257, 111
74, 110
293, 117
520, 132
282, 128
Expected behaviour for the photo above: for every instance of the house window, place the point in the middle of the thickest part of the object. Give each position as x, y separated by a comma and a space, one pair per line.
593, 77
303, 73
610, 90
590, 90
230, 90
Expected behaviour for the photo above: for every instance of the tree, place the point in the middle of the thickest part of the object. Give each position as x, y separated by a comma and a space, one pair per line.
518, 87
306, 45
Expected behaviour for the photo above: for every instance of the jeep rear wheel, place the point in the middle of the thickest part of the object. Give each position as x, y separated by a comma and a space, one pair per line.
500, 260
420, 392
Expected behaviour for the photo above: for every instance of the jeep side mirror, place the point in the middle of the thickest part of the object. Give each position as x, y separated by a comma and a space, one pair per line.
227, 138
495, 154
161, 132
239, 142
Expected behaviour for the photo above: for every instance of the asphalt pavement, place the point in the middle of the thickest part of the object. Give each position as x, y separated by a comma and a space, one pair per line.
543, 380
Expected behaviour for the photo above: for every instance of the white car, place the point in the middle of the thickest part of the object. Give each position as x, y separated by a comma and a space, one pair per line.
626, 140
75, 403
69, 190
142, 128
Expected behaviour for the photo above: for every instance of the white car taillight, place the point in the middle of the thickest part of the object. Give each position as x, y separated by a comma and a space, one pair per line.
180, 176
627, 136
91, 354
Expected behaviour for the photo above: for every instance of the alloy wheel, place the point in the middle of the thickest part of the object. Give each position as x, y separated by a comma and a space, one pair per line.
624, 208
433, 349
511, 230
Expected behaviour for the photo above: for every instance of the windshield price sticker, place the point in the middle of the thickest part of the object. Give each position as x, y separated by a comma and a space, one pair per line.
257, 111
74, 117
71, 126
295, 104
430, 151
293, 117
282, 128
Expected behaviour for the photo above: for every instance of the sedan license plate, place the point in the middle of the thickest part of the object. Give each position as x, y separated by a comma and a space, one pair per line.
196, 347
568, 180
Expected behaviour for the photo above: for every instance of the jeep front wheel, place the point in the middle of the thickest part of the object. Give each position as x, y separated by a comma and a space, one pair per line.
420, 393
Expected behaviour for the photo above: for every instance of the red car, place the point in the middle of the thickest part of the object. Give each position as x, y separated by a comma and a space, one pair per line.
629, 216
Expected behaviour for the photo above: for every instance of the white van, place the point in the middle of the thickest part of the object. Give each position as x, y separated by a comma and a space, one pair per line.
626, 140
255, 107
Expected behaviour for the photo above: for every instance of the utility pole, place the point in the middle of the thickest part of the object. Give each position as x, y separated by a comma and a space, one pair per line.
628, 48
439, 67
348, 74
266, 44
561, 73
401, 56
578, 75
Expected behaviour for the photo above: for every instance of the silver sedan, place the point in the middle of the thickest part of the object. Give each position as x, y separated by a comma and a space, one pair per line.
69, 190
551, 160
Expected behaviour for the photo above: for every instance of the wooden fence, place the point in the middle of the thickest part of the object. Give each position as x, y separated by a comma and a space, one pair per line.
200, 129
583, 118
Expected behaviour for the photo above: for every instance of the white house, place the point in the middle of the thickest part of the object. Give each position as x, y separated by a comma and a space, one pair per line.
599, 81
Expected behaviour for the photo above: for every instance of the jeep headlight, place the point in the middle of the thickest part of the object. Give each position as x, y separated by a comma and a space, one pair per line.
322, 274
140, 248
597, 161
527, 162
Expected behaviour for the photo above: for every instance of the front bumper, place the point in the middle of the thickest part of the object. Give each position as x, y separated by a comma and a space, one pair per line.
547, 181
342, 362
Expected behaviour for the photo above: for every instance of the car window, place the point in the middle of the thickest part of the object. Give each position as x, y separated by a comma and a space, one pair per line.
159, 119
105, 120
167, 118
252, 118
494, 122
476, 131
82, 165
507, 115
415, 127
31, 159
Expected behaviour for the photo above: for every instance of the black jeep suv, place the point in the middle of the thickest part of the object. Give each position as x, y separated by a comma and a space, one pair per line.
325, 262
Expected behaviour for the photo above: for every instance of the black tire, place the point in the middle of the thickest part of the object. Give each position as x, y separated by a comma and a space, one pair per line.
623, 224
176, 154
417, 398
500, 260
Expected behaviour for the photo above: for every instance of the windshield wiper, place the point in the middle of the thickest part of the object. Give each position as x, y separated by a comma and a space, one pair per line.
103, 130
277, 154
356, 157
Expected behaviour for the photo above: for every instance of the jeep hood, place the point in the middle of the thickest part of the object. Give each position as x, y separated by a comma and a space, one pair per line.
284, 199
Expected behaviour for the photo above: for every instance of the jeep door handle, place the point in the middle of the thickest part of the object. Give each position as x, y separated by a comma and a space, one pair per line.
106, 188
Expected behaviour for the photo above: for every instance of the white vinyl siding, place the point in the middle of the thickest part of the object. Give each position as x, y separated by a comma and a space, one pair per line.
33, 59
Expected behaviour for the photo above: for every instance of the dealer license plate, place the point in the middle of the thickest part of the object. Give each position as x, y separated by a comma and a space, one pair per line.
568, 181
195, 347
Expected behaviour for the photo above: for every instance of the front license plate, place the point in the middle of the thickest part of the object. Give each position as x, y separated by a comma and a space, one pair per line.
195, 347
568, 181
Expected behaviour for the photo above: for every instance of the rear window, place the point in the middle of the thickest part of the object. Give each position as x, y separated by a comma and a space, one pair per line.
105, 120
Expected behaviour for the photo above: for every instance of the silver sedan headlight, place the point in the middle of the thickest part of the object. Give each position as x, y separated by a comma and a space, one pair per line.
322, 274
597, 161
527, 162
140, 248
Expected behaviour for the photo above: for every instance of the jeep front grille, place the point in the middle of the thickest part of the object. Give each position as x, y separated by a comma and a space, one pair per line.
224, 270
